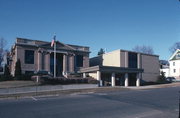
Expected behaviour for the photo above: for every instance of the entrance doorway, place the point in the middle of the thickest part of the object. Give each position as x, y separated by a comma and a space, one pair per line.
120, 79
59, 63
132, 79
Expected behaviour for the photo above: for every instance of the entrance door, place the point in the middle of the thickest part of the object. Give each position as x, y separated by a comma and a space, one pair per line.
132, 79
120, 79
59, 63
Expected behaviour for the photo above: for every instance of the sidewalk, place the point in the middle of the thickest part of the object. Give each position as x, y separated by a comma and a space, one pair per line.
175, 84
70, 89
43, 88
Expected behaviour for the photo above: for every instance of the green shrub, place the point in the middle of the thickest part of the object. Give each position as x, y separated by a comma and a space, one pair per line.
26, 76
92, 81
161, 79
18, 72
6, 75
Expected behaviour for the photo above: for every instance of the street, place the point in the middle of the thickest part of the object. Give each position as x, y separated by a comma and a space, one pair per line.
151, 103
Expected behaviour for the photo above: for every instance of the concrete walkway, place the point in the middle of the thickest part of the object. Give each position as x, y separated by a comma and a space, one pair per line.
175, 84
69, 89
45, 88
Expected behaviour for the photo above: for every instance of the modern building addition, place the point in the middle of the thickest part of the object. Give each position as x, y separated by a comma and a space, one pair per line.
123, 68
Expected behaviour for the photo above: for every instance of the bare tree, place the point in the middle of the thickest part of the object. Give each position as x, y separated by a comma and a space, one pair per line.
174, 47
143, 49
101, 51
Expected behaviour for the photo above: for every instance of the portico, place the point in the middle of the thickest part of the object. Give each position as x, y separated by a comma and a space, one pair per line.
115, 76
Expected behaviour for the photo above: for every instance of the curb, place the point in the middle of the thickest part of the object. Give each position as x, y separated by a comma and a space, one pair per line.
62, 92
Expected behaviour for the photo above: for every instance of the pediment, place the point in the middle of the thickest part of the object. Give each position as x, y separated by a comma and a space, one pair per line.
59, 45
176, 55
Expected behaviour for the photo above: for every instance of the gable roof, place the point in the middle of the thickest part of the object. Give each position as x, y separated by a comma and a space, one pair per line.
174, 54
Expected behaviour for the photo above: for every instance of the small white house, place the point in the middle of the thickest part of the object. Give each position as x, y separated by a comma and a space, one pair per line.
174, 65
164, 67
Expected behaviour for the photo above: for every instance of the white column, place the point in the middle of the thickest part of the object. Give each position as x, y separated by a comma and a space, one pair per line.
47, 63
113, 79
126, 80
84, 75
99, 78
98, 75
39, 61
138, 78
64, 64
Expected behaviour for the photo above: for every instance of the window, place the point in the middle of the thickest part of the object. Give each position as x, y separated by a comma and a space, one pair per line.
173, 63
79, 60
42, 61
29, 57
132, 60
174, 70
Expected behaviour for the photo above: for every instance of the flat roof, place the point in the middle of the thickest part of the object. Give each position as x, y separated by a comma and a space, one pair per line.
127, 51
110, 69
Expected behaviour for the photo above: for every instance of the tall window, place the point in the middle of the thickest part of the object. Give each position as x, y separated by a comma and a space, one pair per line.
29, 57
79, 60
173, 63
132, 60
174, 70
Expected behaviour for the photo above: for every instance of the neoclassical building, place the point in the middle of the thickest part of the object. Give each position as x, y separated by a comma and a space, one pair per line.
116, 68
38, 55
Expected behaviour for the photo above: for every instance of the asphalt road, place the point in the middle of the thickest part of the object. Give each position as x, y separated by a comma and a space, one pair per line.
152, 103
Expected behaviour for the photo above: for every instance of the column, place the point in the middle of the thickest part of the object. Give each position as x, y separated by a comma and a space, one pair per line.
39, 61
126, 80
138, 78
42, 61
47, 62
139, 60
126, 59
99, 78
84, 75
113, 81
72, 68
64, 64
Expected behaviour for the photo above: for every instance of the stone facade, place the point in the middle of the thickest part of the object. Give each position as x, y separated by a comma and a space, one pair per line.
41, 56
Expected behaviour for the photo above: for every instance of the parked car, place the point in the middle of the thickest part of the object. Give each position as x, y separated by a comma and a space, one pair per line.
170, 79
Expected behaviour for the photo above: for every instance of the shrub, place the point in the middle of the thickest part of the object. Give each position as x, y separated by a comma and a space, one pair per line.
26, 76
161, 79
18, 72
6, 75
92, 81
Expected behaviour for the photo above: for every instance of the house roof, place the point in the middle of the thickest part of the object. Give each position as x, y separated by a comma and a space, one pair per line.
174, 54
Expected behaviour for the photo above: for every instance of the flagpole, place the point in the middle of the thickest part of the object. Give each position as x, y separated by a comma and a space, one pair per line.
54, 56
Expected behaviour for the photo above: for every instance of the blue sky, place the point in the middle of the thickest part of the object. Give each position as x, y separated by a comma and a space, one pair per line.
110, 24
